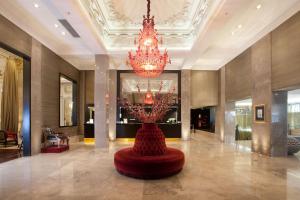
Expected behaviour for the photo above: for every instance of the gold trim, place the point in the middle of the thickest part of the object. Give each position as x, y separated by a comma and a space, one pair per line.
133, 139
92, 140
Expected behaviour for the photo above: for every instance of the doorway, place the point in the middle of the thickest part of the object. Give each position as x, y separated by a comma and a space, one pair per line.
14, 104
243, 122
293, 122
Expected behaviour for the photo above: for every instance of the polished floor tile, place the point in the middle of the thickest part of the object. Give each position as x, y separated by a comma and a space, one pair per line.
212, 171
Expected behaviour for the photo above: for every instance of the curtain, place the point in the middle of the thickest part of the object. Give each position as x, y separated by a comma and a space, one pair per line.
9, 102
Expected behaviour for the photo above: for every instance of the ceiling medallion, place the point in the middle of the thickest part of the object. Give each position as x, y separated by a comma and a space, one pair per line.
148, 61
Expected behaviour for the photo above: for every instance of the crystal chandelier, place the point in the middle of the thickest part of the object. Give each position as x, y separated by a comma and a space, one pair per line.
148, 61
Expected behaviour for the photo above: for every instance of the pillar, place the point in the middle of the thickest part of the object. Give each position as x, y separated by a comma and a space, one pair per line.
220, 119
36, 97
229, 126
82, 102
261, 94
112, 104
185, 104
101, 88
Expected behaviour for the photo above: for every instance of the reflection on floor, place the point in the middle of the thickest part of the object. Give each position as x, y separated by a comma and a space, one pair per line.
212, 171
9, 153
243, 144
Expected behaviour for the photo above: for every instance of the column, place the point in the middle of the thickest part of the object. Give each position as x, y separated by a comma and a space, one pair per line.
36, 97
261, 94
220, 120
229, 126
101, 80
185, 104
112, 104
82, 102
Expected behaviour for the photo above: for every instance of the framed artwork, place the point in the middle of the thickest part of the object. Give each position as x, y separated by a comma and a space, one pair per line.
259, 113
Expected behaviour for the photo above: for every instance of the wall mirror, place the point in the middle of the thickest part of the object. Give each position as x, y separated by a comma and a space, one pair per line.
68, 102
127, 88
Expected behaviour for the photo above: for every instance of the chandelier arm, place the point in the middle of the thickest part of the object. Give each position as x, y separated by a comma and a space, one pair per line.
148, 9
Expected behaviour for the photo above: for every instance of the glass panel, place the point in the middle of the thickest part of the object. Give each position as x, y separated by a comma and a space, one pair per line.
68, 101
294, 112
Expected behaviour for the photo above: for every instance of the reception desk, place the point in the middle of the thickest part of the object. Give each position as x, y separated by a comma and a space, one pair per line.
89, 131
170, 130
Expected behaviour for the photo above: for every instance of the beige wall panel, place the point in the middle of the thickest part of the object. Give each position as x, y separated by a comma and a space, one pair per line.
286, 54
238, 77
204, 88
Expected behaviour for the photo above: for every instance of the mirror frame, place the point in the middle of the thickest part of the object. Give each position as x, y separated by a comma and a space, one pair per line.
75, 118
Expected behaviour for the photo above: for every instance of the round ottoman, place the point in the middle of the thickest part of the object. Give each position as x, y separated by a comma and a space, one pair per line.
131, 164
149, 158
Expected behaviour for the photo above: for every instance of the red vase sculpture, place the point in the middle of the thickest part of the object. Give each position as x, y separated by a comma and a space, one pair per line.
149, 158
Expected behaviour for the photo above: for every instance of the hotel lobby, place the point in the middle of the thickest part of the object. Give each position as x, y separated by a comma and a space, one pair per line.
149, 99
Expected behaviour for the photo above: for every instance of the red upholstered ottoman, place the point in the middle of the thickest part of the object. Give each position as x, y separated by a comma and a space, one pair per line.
129, 163
149, 158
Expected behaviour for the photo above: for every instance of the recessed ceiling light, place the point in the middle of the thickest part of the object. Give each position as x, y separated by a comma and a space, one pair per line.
232, 33
258, 6
63, 33
36, 5
55, 25
240, 26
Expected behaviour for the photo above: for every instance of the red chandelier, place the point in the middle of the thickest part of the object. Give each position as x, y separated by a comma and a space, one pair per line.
148, 61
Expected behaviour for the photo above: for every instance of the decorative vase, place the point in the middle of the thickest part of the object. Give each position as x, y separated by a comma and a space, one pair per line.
149, 141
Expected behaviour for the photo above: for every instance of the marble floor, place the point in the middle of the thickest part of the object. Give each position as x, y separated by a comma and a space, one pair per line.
212, 171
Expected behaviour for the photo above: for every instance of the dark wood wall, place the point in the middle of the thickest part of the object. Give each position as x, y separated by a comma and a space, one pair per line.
89, 86
52, 67
48, 68
14, 37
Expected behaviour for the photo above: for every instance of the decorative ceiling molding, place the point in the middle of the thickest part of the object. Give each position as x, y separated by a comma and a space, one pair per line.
118, 26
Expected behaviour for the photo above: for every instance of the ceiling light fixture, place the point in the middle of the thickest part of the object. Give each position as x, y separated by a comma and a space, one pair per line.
148, 61
55, 25
36, 5
63, 33
258, 6
240, 26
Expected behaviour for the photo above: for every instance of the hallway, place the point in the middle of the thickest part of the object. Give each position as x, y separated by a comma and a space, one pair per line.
212, 171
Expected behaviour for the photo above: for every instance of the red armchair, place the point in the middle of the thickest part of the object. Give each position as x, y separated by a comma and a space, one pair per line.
7, 137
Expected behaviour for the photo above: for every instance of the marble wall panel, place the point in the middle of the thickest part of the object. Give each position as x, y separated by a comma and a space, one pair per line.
185, 104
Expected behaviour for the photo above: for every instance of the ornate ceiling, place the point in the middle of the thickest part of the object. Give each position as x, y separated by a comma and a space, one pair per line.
199, 34
118, 21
